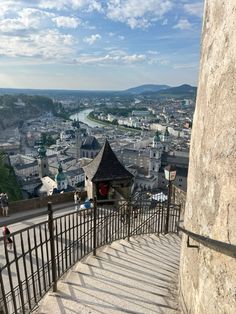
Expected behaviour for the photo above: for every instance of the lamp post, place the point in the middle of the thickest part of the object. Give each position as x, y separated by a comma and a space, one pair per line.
170, 174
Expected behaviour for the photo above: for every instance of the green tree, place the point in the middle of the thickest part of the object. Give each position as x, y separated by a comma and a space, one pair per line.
8, 182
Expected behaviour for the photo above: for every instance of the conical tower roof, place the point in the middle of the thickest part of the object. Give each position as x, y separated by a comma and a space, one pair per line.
106, 166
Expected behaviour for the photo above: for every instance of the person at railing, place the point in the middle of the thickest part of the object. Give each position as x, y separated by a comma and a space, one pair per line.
7, 236
88, 204
4, 204
77, 199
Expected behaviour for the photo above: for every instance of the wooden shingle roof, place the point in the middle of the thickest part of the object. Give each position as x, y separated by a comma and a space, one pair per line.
106, 166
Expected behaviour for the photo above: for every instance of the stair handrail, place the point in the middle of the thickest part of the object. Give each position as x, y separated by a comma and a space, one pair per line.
216, 245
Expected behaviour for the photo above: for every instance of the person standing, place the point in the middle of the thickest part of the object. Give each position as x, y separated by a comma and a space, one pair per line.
4, 204
76, 199
7, 237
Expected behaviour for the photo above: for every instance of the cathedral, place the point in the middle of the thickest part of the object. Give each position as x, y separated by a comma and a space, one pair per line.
147, 164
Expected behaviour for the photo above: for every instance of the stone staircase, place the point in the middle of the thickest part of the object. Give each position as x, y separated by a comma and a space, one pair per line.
140, 276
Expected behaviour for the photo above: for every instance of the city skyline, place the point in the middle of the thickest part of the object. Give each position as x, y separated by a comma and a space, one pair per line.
99, 45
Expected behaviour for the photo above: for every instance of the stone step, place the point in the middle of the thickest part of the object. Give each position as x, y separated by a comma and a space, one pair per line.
140, 276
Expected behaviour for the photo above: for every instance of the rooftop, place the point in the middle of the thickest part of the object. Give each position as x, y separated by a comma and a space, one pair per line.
106, 166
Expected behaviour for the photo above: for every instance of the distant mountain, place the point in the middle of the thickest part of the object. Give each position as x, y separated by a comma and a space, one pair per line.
146, 89
184, 90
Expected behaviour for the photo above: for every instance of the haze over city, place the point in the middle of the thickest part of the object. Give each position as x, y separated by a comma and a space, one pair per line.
93, 45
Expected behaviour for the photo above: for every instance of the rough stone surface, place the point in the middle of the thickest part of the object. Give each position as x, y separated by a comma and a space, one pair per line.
136, 277
208, 278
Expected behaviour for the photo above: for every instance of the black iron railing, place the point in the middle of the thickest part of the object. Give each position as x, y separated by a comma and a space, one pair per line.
43, 252
219, 246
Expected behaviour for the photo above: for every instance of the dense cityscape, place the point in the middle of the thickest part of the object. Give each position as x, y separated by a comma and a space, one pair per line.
117, 157
72, 129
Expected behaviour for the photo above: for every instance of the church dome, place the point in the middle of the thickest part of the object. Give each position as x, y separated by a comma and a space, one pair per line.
42, 151
60, 176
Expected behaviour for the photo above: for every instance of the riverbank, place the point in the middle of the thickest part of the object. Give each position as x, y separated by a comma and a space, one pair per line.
86, 116
106, 123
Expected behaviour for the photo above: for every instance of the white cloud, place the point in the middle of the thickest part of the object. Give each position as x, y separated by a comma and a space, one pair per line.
45, 45
92, 39
137, 13
111, 59
183, 24
194, 8
25, 19
121, 37
185, 66
120, 57
88, 5
66, 21
165, 22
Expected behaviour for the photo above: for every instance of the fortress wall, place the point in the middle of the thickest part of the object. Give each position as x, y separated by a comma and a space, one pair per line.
208, 278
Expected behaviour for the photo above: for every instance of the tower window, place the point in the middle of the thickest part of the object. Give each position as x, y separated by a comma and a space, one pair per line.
45, 166
154, 155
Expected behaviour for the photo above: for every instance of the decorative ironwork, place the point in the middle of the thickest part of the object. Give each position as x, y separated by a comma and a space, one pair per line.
43, 252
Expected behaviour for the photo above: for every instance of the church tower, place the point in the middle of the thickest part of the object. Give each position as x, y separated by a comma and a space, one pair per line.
61, 179
42, 161
155, 156
166, 140
78, 140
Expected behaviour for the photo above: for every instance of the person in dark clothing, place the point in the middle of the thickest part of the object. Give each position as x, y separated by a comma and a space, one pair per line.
7, 236
4, 203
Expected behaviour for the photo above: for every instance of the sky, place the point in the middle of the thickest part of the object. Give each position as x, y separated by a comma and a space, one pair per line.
99, 44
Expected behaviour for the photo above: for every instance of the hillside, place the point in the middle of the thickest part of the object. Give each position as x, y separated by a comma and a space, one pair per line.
17, 108
182, 91
146, 89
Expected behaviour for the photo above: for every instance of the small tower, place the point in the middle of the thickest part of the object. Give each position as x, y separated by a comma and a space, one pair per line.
42, 161
78, 140
61, 179
106, 178
155, 156
166, 140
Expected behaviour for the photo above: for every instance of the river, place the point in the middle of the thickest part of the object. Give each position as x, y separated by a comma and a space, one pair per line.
82, 117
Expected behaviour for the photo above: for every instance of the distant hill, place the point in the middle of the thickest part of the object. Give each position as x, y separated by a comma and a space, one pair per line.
146, 89
149, 90
184, 90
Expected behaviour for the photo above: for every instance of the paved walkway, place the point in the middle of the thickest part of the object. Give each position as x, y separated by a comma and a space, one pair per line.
140, 276
33, 213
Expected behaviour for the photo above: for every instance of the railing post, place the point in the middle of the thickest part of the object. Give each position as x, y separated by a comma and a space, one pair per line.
168, 208
52, 247
95, 227
128, 216
2, 295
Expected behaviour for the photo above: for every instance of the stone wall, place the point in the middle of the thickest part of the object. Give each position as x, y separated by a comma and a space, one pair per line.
208, 278
39, 202
178, 196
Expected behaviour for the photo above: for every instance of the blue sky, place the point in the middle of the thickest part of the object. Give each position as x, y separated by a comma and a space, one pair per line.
98, 44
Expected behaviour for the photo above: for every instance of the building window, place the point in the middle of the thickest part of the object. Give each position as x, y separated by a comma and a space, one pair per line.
180, 180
